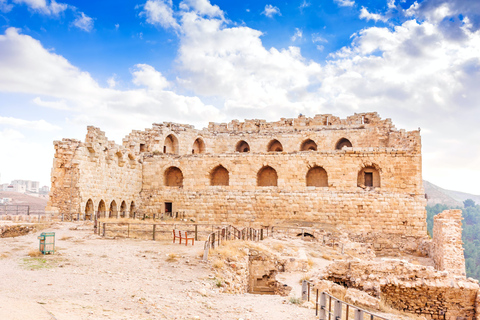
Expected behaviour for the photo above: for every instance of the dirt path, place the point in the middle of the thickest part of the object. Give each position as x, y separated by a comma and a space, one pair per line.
94, 278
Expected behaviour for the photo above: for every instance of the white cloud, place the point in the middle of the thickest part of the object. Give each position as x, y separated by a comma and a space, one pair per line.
27, 67
117, 26
345, 3
5, 7
111, 81
391, 4
364, 14
83, 22
58, 104
145, 75
202, 7
318, 38
159, 12
42, 6
270, 11
298, 34
305, 4
41, 125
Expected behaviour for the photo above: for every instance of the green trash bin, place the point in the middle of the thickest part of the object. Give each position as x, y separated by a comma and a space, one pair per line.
47, 242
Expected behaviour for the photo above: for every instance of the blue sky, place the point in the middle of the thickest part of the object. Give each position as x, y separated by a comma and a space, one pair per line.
122, 65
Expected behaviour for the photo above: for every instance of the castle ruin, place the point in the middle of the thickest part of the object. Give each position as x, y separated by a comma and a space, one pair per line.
359, 174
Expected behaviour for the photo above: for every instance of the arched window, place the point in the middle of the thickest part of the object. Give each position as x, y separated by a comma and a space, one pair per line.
308, 145
113, 209
89, 210
267, 176
171, 144
173, 177
101, 209
274, 146
198, 146
343, 143
219, 176
242, 146
123, 209
369, 176
132, 209
317, 177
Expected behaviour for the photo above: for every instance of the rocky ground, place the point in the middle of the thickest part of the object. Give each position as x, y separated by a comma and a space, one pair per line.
90, 277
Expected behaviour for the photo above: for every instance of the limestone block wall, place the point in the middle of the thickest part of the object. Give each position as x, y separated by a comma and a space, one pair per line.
359, 173
417, 289
94, 176
397, 206
447, 247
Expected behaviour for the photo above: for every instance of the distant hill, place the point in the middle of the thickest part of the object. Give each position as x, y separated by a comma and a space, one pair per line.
435, 195
36, 204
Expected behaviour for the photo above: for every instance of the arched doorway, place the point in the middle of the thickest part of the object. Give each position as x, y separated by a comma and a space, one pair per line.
171, 144
123, 209
369, 177
198, 146
219, 176
89, 210
343, 143
317, 177
173, 177
242, 146
308, 145
274, 146
267, 177
132, 210
102, 209
113, 210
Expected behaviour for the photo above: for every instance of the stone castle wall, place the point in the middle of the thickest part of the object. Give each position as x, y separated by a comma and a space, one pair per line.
447, 245
359, 173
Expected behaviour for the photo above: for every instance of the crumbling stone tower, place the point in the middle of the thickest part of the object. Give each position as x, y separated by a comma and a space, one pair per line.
360, 174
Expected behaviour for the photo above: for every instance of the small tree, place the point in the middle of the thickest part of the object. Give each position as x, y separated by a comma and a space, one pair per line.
469, 203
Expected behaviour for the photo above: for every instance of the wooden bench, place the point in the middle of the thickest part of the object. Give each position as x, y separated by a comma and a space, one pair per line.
182, 235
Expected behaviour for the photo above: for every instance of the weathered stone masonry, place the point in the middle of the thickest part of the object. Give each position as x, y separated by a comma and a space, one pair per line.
359, 173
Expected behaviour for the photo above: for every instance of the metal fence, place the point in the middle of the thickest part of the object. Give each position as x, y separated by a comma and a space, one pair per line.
327, 307
231, 233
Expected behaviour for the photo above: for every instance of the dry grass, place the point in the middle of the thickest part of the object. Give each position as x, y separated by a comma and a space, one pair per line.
172, 257
35, 253
310, 263
231, 250
4, 255
218, 264
278, 247
65, 238
327, 256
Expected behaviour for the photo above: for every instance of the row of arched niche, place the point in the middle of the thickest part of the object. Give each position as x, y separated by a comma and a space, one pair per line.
171, 145
125, 211
316, 176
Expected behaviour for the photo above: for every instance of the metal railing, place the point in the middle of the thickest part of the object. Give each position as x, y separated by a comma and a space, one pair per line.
230, 233
327, 307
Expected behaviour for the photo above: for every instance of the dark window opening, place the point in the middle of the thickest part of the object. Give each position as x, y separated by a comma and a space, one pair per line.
368, 179
168, 207
142, 147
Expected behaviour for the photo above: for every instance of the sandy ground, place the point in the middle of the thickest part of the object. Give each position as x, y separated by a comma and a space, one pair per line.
94, 278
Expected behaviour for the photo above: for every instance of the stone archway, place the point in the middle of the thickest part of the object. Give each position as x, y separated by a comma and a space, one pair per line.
89, 210
343, 143
123, 209
219, 176
113, 212
369, 177
198, 146
102, 209
173, 177
274, 146
267, 177
132, 210
317, 177
308, 145
171, 145
242, 146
